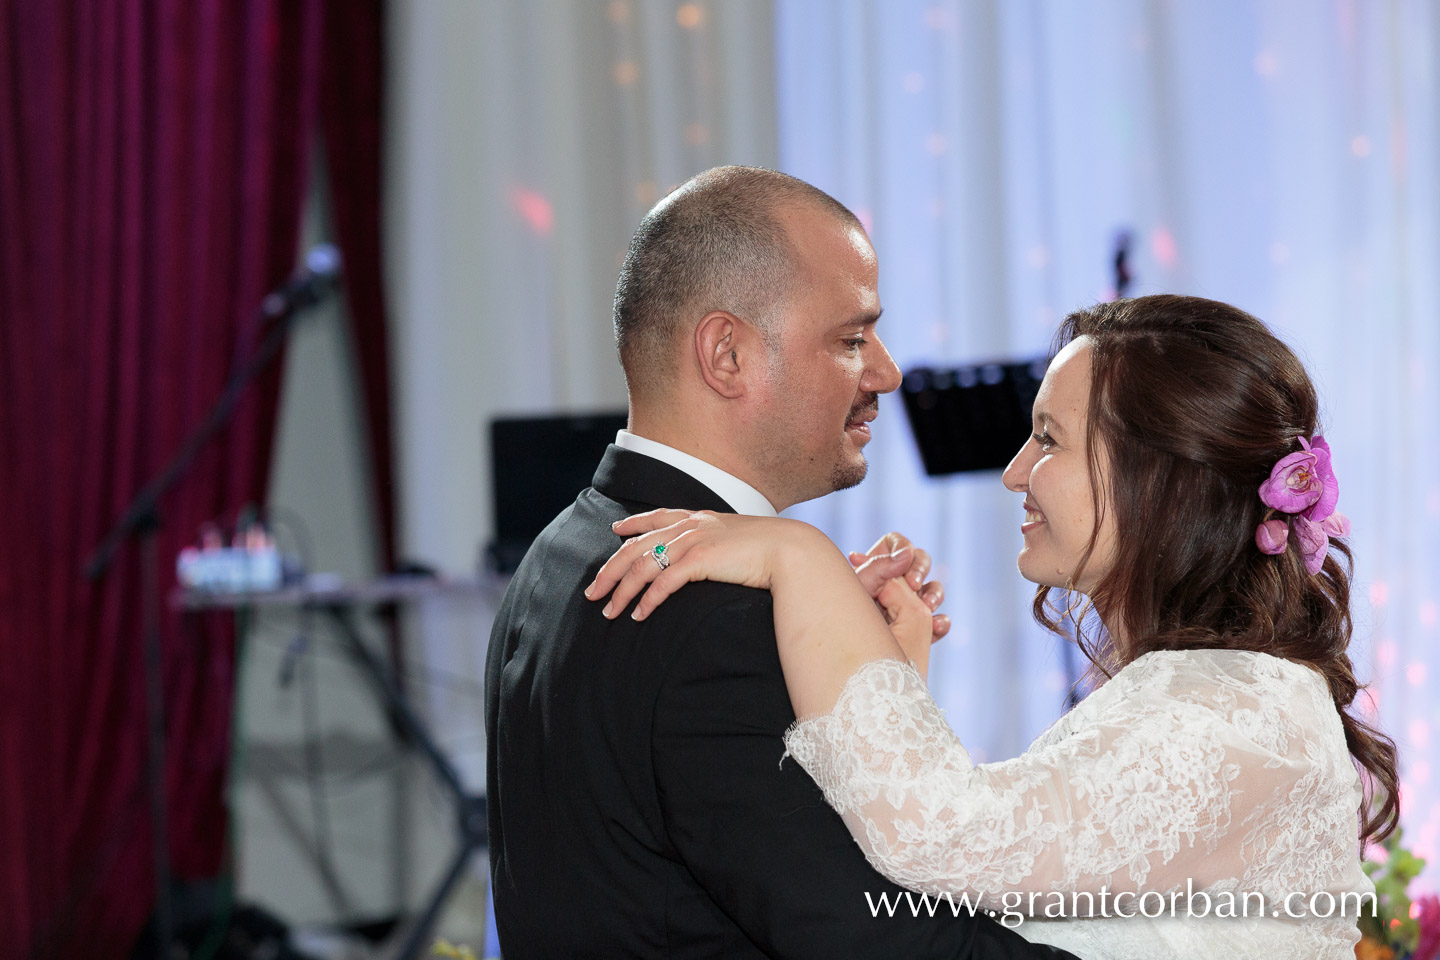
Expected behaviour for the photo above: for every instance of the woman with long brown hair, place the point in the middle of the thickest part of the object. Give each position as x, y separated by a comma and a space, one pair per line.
1180, 513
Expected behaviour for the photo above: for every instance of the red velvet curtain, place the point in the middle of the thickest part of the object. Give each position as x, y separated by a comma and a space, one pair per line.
352, 107
153, 163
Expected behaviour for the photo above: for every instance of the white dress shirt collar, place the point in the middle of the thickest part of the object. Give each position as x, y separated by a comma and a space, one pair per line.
742, 498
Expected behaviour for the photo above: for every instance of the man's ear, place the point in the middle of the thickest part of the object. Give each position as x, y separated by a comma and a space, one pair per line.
726, 347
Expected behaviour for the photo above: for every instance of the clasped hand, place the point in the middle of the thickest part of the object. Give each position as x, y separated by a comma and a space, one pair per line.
753, 552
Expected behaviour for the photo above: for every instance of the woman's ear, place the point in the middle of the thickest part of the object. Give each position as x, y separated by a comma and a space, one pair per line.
725, 347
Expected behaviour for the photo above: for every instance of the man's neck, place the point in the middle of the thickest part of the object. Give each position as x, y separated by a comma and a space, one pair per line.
721, 456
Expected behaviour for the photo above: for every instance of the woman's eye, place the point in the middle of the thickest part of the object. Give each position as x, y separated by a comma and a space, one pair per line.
1043, 439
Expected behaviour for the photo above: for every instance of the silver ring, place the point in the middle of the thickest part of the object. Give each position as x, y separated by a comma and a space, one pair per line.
658, 552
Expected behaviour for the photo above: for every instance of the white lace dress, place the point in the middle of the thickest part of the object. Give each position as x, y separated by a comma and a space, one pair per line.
1221, 773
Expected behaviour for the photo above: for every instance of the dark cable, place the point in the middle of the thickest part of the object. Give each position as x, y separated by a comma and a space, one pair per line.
314, 754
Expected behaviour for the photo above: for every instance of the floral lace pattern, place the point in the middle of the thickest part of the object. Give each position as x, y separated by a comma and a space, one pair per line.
1208, 771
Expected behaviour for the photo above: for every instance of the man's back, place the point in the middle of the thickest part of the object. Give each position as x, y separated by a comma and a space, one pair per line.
638, 805
581, 859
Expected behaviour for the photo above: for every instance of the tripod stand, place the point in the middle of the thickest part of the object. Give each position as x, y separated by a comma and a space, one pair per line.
141, 520
338, 604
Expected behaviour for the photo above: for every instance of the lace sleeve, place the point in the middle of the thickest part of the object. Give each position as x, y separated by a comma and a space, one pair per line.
1170, 774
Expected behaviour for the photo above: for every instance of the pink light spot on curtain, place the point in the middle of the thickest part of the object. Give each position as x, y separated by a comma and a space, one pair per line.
1387, 653
535, 209
1162, 247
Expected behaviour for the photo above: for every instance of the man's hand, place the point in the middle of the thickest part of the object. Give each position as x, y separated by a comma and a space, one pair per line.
894, 557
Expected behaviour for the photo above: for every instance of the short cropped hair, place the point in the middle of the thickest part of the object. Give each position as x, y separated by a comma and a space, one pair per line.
713, 243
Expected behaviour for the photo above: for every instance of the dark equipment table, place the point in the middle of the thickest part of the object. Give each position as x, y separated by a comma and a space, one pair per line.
339, 601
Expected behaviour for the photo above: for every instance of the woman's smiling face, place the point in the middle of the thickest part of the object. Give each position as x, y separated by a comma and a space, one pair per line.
1052, 471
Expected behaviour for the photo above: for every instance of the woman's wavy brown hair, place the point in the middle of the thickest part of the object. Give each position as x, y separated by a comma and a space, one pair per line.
1194, 401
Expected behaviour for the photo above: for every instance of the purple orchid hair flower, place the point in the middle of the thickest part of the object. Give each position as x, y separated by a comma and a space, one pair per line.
1271, 536
1336, 525
1303, 484
1314, 543
1294, 484
1329, 486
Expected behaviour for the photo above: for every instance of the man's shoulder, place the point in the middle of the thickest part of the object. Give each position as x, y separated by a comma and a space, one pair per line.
716, 629
708, 605
579, 540
579, 536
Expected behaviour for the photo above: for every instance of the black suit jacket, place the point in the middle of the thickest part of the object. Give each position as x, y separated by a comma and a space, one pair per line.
638, 803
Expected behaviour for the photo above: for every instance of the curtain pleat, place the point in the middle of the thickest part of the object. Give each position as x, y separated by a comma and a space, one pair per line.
352, 111
153, 163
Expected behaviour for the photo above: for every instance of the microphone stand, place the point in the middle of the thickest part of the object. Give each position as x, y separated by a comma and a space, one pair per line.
141, 520
1120, 263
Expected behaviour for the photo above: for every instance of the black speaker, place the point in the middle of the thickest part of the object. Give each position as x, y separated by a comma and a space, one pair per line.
974, 417
538, 466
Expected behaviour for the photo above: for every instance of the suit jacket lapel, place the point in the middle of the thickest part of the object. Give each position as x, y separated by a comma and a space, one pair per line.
636, 479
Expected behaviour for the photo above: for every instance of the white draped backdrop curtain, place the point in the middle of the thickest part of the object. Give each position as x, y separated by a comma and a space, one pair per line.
527, 141
1281, 156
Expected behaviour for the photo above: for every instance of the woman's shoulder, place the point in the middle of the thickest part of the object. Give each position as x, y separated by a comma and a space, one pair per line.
1263, 699
1237, 665
1217, 674
1268, 700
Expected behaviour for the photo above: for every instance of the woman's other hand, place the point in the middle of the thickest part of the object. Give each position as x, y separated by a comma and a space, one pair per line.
892, 556
909, 617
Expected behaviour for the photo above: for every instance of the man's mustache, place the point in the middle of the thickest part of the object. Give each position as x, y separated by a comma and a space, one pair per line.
870, 404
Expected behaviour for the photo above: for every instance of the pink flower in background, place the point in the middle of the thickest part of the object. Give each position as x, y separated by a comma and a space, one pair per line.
1429, 916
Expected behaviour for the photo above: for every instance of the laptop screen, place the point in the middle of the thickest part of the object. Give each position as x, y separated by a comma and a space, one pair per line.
538, 466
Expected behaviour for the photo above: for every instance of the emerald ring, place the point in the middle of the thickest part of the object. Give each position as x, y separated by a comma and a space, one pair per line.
658, 552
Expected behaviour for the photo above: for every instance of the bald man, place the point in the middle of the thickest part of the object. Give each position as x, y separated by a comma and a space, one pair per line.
638, 803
